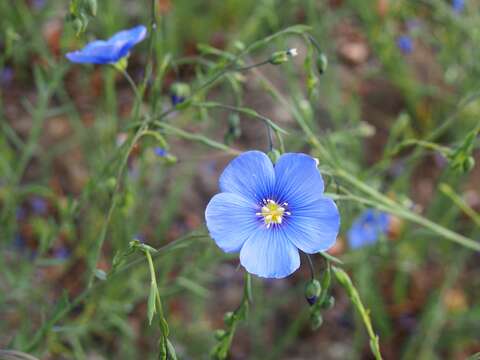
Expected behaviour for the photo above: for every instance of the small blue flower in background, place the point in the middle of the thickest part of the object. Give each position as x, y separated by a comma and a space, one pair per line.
39, 205
458, 5
159, 151
38, 4
61, 253
20, 214
268, 212
405, 44
6, 76
111, 50
367, 228
19, 242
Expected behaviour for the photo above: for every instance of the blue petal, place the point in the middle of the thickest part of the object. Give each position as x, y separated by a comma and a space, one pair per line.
97, 52
231, 220
111, 51
367, 228
298, 180
313, 227
359, 236
250, 175
269, 254
131, 36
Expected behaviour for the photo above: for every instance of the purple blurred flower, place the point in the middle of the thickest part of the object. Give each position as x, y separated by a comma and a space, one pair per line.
61, 253
39, 205
458, 5
140, 238
405, 44
38, 4
6, 76
19, 242
159, 151
367, 228
20, 213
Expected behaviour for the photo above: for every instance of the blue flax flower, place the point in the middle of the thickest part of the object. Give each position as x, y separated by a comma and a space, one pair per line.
458, 5
367, 228
405, 44
268, 213
111, 50
161, 152
39, 205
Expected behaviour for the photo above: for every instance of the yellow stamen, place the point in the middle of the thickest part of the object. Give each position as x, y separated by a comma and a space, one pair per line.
272, 212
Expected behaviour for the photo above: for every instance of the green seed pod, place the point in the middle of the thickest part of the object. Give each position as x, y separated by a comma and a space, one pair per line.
322, 63
229, 318
279, 57
274, 155
328, 303
220, 334
312, 291
316, 320
111, 183
468, 164
91, 7
77, 26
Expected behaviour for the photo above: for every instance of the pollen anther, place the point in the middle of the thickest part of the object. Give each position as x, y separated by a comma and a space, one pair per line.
272, 212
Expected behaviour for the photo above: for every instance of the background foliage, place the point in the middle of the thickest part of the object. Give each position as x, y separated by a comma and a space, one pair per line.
394, 129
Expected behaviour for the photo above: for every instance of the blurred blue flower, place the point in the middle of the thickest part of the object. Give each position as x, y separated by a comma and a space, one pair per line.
19, 242
159, 151
38, 4
458, 5
405, 44
39, 205
111, 50
6, 76
269, 212
61, 253
367, 228
20, 214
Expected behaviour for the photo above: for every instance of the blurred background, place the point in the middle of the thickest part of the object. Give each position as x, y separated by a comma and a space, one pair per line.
397, 107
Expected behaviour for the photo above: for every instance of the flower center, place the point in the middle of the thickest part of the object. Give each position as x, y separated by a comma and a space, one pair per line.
272, 212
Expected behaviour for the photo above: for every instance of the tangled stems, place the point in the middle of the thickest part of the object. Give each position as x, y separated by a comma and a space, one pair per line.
231, 320
64, 310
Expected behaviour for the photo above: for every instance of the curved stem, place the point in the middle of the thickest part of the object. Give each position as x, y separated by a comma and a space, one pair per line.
311, 267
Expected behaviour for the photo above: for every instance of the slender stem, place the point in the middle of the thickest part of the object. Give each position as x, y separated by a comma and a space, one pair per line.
311, 267
448, 191
132, 84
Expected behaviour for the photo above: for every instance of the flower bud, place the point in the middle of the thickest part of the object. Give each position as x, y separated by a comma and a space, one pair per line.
234, 131
468, 164
91, 7
274, 155
229, 318
111, 183
77, 26
179, 92
220, 334
312, 291
322, 63
279, 57
328, 303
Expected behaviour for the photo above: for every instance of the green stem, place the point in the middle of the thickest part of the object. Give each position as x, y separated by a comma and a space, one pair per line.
354, 296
